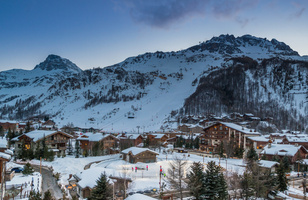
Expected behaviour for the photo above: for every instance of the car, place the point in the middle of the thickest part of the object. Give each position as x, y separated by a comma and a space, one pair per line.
131, 193
147, 191
17, 169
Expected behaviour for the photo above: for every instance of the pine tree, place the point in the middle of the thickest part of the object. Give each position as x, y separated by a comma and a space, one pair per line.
102, 190
195, 183
77, 149
286, 163
282, 180
1, 131
34, 195
27, 127
251, 156
221, 150
215, 186
196, 143
246, 185
28, 169
70, 152
47, 195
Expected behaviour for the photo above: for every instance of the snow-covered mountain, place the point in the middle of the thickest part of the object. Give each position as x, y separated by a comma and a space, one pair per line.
222, 75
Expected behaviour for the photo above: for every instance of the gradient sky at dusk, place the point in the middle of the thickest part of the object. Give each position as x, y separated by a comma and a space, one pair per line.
98, 33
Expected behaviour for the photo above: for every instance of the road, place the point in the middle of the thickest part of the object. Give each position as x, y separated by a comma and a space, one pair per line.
49, 183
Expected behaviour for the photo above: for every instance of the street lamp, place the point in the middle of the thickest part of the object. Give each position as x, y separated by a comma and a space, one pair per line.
113, 181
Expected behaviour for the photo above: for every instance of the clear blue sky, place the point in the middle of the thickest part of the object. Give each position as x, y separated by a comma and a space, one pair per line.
98, 33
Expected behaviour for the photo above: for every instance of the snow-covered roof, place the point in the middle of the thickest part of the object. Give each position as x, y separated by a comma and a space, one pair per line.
267, 163
39, 134
8, 121
136, 150
297, 138
139, 197
5, 156
94, 137
281, 149
240, 128
158, 136
259, 138
3, 143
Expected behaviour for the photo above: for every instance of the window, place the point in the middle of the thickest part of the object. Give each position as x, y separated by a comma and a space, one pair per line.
220, 128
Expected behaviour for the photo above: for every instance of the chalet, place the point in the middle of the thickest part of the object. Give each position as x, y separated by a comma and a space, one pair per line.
270, 165
184, 128
55, 140
107, 142
258, 142
130, 140
49, 125
293, 152
136, 154
12, 125
156, 139
296, 140
221, 131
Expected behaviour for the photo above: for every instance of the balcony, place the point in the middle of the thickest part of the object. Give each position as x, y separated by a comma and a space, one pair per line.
56, 141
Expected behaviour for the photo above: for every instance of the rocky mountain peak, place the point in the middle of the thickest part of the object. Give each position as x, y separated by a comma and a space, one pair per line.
229, 44
55, 62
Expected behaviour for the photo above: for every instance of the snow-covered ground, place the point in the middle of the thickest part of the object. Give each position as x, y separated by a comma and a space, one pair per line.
25, 183
142, 179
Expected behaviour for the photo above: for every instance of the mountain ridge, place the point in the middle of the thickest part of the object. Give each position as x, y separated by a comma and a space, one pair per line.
152, 85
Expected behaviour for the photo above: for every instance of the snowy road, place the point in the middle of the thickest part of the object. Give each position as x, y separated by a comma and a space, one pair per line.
49, 183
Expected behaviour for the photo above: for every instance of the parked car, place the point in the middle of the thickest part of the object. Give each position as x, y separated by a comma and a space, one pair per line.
17, 169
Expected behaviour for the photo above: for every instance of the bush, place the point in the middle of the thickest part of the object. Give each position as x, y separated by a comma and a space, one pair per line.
28, 169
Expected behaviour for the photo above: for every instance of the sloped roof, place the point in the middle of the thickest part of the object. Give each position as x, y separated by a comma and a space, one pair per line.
267, 163
281, 149
94, 137
40, 134
259, 138
240, 128
139, 197
3, 143
137, 150
5, 156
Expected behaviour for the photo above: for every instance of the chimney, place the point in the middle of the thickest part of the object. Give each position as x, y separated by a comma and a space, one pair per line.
269, 145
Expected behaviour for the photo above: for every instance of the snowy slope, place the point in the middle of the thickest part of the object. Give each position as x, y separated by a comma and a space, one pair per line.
139, 92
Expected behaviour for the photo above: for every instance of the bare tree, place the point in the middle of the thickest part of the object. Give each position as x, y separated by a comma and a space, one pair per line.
234, 183
176, 171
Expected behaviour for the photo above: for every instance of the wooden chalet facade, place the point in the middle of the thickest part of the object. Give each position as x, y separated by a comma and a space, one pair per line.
293, 152
136, 154
6, 125
108, 143
213, 135
55, 140
157, 139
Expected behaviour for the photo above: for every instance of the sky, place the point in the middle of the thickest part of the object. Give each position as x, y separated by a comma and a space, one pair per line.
100, 33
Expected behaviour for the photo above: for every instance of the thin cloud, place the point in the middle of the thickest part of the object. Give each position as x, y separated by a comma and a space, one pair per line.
165, 13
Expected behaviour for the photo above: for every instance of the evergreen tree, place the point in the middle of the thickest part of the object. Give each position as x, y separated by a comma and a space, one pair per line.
70, 152
34, 195
251, 156
238, 151
95, 149
47, 195
1, 131
28, 169
282, 180
77, 149
221, 150
102, 189
246, 185
196, 143
27, 127
286, 163
195, 180
215, 186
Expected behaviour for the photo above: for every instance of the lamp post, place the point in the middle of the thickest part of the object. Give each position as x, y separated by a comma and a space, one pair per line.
113, 194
